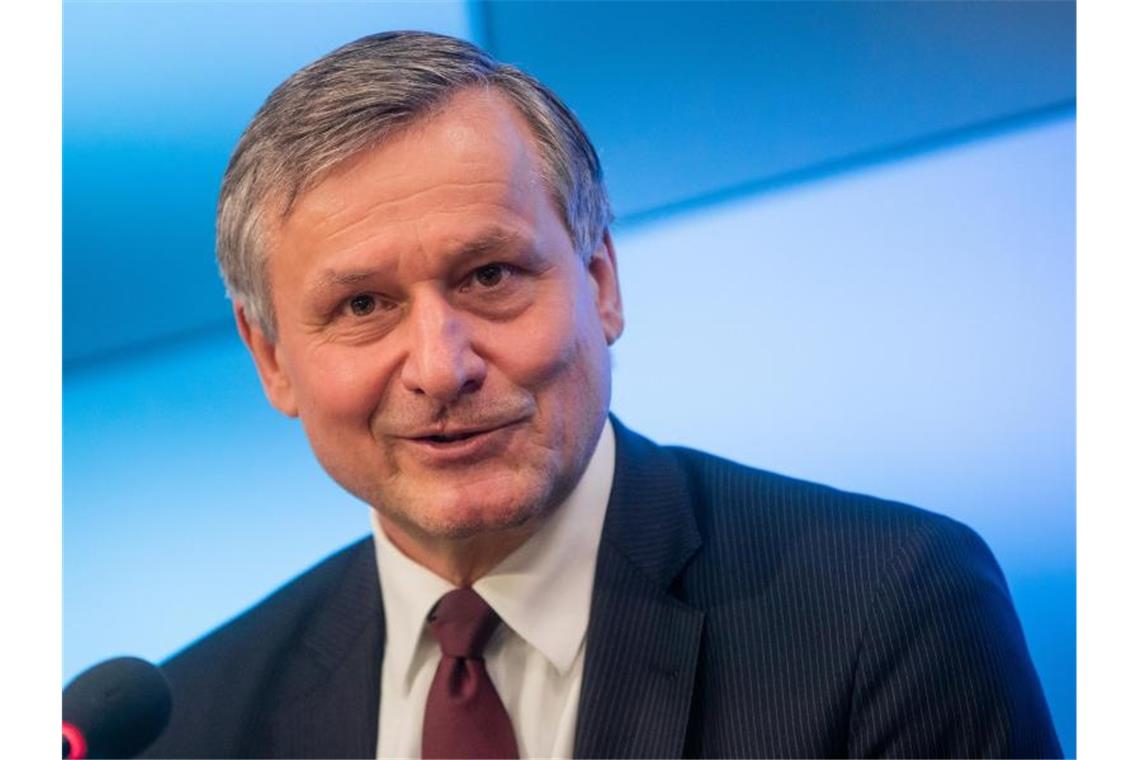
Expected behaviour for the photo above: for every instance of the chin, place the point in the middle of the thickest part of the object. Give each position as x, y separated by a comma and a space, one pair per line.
464, 510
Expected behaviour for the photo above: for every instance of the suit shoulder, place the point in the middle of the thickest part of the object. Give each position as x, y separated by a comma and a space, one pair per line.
763, 533
219, 682
730, 497
249, 644
887, 598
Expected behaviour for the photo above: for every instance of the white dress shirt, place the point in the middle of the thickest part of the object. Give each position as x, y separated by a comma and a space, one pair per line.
541, 592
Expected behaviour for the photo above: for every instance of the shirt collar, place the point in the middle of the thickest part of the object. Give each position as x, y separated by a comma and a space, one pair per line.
542, 591
408, 591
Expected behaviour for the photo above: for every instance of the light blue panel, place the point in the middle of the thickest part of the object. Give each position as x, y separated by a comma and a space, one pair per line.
155, 97
905, 331
186, 498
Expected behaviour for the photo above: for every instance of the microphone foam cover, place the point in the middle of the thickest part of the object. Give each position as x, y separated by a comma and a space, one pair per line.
120, 706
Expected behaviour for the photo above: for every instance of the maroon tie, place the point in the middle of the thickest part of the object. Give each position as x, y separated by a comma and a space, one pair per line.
464, 716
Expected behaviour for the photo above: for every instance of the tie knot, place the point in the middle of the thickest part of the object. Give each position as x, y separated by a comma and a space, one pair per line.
462, 623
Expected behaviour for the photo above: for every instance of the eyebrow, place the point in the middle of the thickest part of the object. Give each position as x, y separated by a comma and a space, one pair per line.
332, 281
332, 278
492, 240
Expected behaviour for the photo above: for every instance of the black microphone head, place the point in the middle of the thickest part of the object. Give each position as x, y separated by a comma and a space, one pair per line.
118, 707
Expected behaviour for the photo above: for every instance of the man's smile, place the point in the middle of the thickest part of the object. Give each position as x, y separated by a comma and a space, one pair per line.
456, 445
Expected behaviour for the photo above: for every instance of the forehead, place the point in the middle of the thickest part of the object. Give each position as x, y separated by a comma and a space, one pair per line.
476, 153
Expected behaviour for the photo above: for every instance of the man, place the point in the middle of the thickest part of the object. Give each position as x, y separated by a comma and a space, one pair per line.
415, 239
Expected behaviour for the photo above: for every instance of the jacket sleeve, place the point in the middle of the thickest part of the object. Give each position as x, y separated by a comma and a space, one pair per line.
943, 669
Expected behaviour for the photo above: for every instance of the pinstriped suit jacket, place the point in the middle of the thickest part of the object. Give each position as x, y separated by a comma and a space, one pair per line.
736, 613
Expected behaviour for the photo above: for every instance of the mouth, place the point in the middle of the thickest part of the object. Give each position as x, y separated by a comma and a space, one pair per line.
452, 437
463, 443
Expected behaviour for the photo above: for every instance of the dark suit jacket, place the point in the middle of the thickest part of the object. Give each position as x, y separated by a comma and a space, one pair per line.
735, 613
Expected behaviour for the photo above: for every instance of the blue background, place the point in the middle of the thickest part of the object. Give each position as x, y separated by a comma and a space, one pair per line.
846, 245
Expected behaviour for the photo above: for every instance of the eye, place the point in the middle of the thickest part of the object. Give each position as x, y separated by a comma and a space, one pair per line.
490, 275
497, 290
362, 305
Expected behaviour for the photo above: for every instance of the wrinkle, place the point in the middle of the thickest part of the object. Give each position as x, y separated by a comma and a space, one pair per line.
384, 209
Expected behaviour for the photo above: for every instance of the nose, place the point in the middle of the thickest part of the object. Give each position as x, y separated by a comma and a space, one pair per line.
441, 362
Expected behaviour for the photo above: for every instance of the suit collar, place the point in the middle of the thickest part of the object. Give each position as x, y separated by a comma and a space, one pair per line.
650, 515
643, 643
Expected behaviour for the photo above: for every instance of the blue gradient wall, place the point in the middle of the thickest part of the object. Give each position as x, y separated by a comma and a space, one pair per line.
899, 323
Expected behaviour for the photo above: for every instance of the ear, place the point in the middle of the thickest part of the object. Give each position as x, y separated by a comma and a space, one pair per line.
602, 268
274, 379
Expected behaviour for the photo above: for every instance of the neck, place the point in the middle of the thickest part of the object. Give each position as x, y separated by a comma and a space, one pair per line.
459, 561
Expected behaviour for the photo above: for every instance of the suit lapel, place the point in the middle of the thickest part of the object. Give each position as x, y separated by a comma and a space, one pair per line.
642, 644
331, 691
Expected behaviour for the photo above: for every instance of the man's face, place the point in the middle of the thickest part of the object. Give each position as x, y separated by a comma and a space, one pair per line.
443, 345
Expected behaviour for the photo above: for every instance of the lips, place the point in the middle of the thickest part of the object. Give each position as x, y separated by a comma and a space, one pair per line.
461, 445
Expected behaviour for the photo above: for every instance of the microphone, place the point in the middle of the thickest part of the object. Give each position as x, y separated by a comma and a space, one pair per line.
114, 709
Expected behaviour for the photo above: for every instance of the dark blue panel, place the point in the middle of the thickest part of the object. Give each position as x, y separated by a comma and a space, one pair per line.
688, 99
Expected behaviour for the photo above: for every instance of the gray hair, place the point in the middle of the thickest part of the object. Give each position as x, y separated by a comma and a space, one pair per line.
353, 99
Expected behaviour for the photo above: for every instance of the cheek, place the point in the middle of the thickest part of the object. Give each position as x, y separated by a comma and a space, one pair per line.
338, 383
560, 358
536, 351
